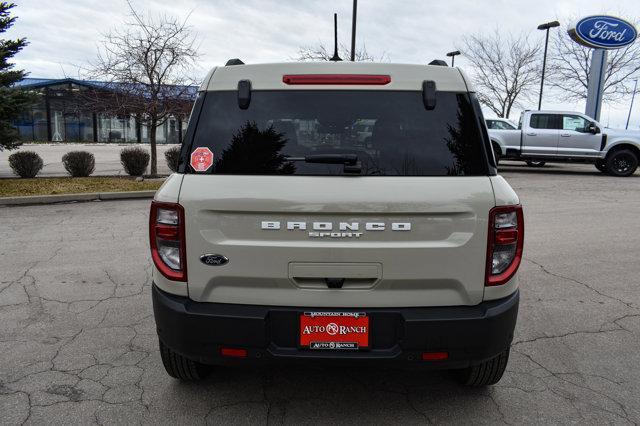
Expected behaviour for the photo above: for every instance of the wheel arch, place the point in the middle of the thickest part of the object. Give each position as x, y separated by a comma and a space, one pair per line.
618, 145
496, 143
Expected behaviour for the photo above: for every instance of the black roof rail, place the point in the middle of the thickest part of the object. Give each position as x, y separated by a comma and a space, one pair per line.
439, 62
234, 61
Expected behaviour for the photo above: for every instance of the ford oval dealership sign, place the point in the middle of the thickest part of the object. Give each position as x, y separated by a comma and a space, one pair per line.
603, 32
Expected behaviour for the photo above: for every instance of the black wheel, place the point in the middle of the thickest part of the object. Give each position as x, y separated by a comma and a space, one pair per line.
533, 163
180, 367
622, 163
488, 373
601, 165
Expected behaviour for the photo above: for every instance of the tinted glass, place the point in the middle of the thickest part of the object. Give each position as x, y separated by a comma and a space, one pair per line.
391, 133
543, 121
574, 122
499, 125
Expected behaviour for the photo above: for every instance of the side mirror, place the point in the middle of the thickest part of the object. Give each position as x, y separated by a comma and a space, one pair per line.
593, 129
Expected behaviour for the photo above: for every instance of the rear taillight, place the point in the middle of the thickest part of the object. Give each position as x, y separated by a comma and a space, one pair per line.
167, 240
505, 241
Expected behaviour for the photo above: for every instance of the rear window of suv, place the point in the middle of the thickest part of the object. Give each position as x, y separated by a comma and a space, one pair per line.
390, 132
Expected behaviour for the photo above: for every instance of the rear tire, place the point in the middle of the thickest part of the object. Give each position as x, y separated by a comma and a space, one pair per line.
533, 163
488, 373
180, 367
621, 163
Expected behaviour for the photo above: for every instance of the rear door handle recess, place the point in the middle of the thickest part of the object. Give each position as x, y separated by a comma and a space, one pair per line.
565, 135
532, 134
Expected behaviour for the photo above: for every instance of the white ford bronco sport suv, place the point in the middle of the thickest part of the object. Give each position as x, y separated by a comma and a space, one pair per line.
290, 235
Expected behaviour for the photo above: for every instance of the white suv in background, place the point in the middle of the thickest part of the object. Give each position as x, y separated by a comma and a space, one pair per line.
290, 235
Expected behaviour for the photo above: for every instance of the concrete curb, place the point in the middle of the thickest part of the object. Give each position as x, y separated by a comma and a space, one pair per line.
67, 198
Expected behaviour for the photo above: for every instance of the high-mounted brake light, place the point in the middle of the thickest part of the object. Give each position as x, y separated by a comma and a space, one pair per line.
354, 79
167, 240
504, 245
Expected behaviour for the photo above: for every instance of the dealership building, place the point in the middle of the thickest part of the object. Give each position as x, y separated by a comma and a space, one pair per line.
71, 110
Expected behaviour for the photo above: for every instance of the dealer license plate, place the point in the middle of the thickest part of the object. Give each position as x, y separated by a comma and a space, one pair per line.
334, 330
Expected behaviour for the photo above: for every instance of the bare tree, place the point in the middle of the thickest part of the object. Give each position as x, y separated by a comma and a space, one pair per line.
149, 60
569, 65
321, 53
504, 69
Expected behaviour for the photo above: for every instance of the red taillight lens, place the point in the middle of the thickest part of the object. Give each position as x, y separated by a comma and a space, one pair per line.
505, 242
167, 240
365, 79
435, 356
233, 352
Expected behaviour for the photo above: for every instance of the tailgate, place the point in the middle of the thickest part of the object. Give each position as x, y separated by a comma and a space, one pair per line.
336, 241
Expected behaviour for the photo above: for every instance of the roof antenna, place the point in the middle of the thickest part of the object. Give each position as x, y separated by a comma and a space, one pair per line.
335, 39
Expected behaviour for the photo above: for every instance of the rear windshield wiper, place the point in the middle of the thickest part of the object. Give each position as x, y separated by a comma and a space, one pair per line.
350, 161
346, 159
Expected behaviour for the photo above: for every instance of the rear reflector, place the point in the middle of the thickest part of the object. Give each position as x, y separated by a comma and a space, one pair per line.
233, 352
167, 232
356, 79
435, 356
506, 236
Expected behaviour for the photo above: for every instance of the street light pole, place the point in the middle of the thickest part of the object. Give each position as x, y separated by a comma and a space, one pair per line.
453, 56
631, 106
546, 26
353, 30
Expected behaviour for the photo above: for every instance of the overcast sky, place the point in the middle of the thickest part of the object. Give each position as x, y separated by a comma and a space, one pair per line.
63, 34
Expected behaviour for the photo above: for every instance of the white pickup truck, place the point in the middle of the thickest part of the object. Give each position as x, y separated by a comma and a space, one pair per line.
561, 136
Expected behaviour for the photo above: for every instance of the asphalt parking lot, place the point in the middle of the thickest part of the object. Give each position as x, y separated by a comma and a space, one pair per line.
78, 345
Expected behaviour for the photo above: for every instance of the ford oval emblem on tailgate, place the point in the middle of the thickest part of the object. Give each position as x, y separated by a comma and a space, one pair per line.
213, 259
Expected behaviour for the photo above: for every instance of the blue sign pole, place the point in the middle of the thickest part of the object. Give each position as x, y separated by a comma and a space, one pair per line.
596, 83
635, 87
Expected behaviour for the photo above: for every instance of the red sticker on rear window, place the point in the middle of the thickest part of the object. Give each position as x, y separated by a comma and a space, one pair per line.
201, 159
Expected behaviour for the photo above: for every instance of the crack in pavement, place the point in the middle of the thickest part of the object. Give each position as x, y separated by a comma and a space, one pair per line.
573, 280
558, 375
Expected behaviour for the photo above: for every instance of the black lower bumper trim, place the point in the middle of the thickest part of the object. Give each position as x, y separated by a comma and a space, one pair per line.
470, 334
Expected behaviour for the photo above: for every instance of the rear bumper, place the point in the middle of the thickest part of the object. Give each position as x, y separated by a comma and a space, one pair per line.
470, 334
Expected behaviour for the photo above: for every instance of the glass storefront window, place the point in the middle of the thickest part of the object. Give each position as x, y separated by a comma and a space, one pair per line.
71, 128
104, 127
85, 128
172, 130
130, 129
161, 133
40, 125
25, 125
